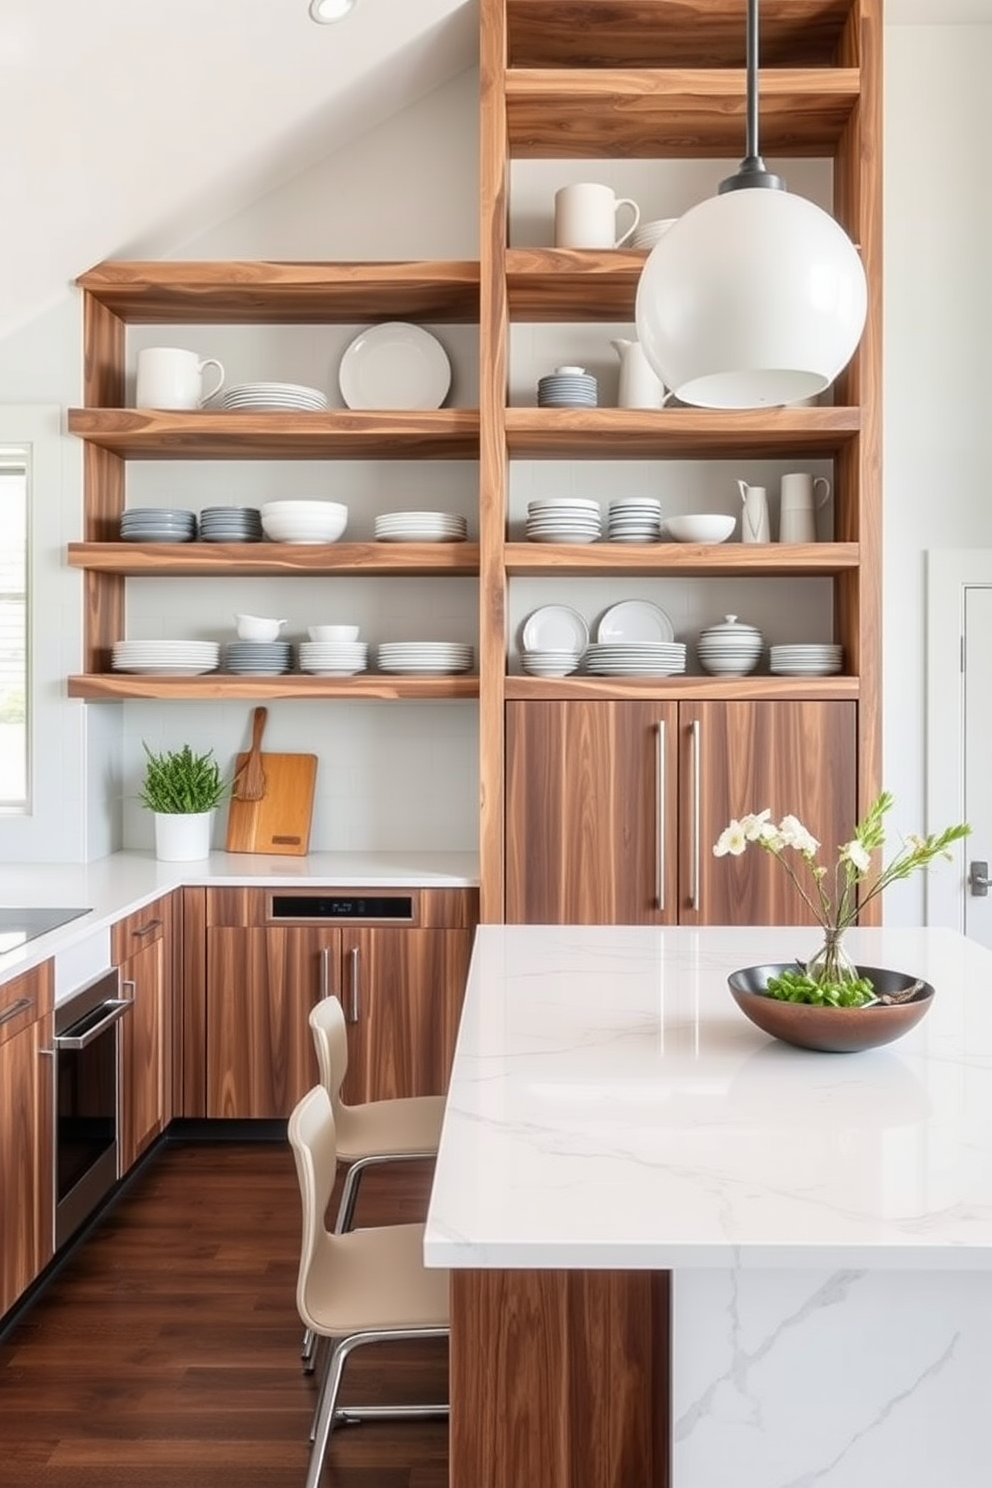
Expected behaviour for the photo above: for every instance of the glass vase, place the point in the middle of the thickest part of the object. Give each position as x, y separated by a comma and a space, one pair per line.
831, 963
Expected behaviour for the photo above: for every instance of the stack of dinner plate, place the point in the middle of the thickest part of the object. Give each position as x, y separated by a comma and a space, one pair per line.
169, 524
812, 660
231, 524
164, 658
568, 387
550, 663
648, 234
634, 519
333, 658
420, 526
424, 656
635, 658
274, 397
564, 519
248, 658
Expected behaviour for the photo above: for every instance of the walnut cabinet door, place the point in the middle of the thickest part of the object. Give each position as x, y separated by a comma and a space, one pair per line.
26, 1135
145, 1108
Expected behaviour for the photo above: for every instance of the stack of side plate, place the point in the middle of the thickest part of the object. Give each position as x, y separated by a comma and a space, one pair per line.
231, 524
246, 658
333, 658
564, 519
636, 659
634, 519
568, 390
274, 397
812, 660
166, 658
420, 526
170, 524
550, 663
425, 656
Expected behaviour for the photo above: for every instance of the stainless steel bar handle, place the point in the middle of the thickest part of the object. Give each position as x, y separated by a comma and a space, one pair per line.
659, 879
694, 865
141, 930
116, 1008
324, 986
16, 1008
353, 957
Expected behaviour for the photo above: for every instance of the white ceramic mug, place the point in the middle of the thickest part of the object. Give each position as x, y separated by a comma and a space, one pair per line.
802, 496
169, 377
586, 216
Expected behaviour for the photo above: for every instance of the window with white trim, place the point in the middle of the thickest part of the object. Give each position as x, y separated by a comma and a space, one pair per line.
14, 478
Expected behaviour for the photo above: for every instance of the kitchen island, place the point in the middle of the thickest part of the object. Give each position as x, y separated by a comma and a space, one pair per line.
685, 1254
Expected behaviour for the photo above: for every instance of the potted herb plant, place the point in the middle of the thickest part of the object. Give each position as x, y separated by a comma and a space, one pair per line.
183, 790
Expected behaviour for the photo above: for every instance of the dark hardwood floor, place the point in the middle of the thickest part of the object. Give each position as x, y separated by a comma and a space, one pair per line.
165, 1354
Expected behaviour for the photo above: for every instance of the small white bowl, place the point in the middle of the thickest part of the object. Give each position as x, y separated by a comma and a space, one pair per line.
333, 632
257, 628
697, 528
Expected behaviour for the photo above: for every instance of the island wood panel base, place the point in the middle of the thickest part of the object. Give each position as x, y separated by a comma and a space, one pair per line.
560, 1379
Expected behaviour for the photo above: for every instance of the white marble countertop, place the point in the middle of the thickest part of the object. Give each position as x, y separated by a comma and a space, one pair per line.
114, 886
610, 1107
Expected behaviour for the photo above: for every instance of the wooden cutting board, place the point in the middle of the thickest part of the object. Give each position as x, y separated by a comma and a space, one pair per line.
272, 803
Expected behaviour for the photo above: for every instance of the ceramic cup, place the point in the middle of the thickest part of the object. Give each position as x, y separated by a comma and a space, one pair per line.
169, 377
586, 216
802, 496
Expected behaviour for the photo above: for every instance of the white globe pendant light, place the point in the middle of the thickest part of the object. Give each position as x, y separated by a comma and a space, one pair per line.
754, 297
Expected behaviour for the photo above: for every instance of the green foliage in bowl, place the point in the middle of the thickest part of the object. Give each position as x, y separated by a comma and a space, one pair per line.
179, 782
799, 986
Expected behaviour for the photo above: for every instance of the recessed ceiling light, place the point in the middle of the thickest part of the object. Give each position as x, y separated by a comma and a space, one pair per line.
326, 11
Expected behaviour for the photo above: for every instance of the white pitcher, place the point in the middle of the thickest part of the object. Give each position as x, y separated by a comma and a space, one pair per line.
755, 527
640, 385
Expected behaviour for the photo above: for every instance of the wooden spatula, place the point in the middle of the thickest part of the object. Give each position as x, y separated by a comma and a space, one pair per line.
250, 783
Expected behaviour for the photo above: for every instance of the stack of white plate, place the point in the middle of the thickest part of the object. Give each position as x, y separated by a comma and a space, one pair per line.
634, 519
231, 524
568, 387
420, 526
636, 659
274, 397
649, 233
637, 621
550, 663
564, 519
731, 649
812, 660
425, 656
257, 657
333, 658
553, 641
171, 524
304, 521
166, 658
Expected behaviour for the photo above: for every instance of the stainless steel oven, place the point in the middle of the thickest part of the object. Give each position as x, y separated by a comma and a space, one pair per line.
86, 1100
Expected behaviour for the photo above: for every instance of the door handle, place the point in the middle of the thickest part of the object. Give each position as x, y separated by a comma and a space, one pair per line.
324, 974
659, 872
694, 846
353, 1008
978, 879
16, 1008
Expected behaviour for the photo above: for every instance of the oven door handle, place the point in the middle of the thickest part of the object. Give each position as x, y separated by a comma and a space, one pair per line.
116, 1008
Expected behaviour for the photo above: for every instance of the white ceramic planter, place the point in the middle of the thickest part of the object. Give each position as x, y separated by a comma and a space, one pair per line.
182, 837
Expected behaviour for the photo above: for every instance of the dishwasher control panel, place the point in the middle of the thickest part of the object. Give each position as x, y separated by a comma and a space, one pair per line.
397, 908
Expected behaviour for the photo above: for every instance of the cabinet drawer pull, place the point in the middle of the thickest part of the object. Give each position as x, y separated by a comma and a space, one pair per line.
659, 881
694, 867
353, 1009
141, 930
16, 1008
325, 973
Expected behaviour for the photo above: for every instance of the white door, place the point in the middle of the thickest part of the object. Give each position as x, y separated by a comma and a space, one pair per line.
977, 659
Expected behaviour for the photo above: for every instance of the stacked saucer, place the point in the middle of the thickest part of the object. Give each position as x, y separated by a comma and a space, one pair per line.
564, 519
568, 387
550, 663
274, 397
251, 658
811, 660
636, 658
424, 656
231, 524
634, 519
731, 649
420, 526
334, 658
168, 524
650, 233
166, 658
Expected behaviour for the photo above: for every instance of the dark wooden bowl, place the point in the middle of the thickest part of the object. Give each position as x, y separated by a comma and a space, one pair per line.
828, 1029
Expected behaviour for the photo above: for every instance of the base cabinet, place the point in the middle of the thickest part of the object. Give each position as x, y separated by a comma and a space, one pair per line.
142, 949
26, 1131
613, 807
401, 988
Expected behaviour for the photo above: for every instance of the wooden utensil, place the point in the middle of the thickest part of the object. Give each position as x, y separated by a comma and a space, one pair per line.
277, 819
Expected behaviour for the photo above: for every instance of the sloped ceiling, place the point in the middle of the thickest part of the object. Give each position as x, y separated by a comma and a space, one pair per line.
128, 126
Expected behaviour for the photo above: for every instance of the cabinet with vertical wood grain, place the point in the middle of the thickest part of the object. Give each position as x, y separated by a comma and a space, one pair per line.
142, 947
26, 1130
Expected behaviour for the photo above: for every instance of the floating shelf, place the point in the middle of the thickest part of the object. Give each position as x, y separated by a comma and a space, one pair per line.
118, 686
239, 560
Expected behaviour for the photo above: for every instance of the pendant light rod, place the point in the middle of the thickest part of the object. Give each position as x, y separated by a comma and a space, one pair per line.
751, 171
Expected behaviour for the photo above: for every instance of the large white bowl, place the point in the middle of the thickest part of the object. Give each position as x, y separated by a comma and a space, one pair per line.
710, 528
304, 528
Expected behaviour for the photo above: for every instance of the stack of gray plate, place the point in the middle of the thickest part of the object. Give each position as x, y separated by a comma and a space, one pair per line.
568, 387
254, 657
168, 524
231, 524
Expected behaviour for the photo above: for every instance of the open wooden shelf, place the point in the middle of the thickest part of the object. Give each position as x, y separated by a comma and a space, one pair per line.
238, 560
117, 686
696, 560
679, 433
676, 689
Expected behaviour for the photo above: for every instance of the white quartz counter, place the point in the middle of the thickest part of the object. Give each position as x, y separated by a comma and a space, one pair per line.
116, 885
610, 1107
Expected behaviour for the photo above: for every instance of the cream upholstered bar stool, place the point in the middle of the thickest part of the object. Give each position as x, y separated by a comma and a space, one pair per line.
374, 1132
361, 1287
